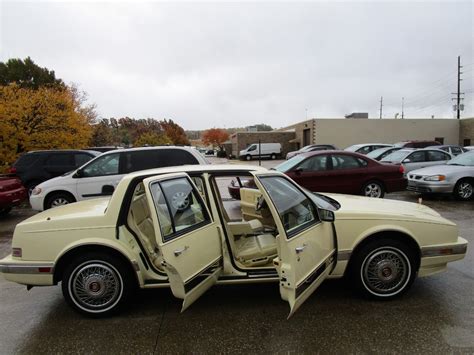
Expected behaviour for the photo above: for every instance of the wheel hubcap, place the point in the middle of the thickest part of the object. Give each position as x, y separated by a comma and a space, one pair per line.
59, 202
373, 190
96, 286
386, 271
465, 190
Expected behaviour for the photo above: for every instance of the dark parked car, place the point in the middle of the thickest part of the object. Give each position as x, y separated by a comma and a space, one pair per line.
35, 167
416, 144
344, 172
12, 193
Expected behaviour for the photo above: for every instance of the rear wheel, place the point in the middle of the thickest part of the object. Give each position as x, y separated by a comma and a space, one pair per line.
464, 189
273, 156
383, 269
373, 189
58, 199
97, 284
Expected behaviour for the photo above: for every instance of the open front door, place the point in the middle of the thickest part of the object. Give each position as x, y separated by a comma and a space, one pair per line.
306, 246
187, 238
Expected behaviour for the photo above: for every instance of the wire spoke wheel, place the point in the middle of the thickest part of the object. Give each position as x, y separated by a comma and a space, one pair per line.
95, 286
385, 271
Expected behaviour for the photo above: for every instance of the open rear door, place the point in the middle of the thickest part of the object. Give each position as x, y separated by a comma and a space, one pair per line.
306, 246
187, 238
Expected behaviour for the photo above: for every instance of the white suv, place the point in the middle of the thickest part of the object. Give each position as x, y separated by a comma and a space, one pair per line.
100, 176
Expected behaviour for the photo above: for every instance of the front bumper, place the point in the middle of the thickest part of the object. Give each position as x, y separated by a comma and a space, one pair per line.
434, 258
430, 187
27, 272
37, 202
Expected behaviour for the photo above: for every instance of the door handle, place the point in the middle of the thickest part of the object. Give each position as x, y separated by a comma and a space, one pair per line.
300, 249
178, 252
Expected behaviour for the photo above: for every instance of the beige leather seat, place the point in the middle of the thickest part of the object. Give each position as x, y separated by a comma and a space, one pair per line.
256, 250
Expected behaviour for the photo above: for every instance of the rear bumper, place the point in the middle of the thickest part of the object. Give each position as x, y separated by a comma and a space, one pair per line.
13, 197
435, 258
429, 187
27, 272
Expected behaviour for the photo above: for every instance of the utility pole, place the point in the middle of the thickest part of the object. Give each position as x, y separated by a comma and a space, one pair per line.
381, 100
458, 94
403, 101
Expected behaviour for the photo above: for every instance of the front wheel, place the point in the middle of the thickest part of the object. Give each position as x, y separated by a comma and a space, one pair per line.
383, 269
248, 157
464, 190
58, 199
373, 189
96, 284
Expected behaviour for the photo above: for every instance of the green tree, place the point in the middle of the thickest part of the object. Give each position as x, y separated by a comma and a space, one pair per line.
27, 74
152, 139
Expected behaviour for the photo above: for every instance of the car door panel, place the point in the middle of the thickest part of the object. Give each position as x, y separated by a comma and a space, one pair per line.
306, 246
191, 250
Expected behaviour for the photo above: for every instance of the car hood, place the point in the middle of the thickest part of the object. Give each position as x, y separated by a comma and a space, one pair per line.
69, 216
439, 169
366, 208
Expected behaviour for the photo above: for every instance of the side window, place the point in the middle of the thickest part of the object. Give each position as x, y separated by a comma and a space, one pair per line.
417, 157
365, 150
456, 150
433, 155
104, 165
59, 160
252, 148
362, 162
296, 211
344, 162
157, 158
178, 206
80, 159
317, 163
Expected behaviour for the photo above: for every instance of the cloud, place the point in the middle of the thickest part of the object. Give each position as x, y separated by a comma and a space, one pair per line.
235, 64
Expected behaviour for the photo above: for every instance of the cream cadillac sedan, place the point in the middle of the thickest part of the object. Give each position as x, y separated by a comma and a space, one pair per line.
178, 227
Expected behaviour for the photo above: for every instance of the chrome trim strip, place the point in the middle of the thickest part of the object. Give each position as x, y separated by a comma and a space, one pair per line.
343, 255
26, 268
444, 250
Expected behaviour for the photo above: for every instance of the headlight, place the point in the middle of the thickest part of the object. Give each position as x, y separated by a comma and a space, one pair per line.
36, 191
435, 178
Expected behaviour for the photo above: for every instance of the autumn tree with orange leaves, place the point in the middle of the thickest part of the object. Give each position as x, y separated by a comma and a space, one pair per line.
47, 117
215, 137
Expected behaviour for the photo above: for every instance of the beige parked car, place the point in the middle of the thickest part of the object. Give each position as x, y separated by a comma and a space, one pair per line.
177, 227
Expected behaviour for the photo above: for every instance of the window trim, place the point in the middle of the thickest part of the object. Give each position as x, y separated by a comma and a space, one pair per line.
176, 234
303, 227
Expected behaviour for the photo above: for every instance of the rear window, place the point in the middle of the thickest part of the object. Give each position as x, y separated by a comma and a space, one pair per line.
150, 159
26, 160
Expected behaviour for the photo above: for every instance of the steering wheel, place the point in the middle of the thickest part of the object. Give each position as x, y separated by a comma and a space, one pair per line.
180, 200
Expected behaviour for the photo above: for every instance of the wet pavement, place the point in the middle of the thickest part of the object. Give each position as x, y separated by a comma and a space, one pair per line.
435, 316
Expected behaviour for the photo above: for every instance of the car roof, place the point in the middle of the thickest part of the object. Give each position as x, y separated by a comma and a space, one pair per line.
196, 168
61, 151
332, 151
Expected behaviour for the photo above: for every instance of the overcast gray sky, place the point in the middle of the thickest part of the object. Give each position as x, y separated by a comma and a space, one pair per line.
236, 64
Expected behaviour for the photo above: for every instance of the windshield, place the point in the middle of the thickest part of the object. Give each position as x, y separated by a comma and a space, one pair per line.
396, 156
353, 148
375, 153
289, 164
466, 159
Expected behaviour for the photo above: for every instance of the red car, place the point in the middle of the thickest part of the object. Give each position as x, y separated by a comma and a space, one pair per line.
12, 193
344, 172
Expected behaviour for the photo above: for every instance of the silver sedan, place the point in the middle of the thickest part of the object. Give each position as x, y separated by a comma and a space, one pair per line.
456, 177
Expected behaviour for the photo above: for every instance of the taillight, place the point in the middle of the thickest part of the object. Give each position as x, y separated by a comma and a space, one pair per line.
12, 170
401, 169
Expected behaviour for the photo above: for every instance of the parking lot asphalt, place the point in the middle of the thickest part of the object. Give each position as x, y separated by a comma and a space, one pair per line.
435, 316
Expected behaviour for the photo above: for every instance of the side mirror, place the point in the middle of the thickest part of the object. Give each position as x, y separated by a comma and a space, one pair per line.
298, 170
407, 160
107, 190
326, 215
78, 174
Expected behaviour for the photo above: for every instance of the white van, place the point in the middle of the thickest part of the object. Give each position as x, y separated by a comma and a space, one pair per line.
269, 150
100, 176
